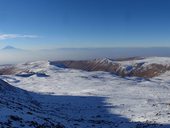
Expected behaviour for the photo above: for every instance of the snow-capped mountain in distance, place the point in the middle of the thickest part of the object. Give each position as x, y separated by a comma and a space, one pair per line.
11, 48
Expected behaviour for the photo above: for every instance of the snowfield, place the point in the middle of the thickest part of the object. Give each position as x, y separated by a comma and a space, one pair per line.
81, 99
146, 61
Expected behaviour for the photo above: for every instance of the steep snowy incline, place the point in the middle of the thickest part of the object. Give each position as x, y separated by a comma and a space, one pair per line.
83, 99
19, 109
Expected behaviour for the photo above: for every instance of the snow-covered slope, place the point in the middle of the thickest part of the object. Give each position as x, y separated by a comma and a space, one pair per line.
19, 109
132, 61
82, 99
137, 66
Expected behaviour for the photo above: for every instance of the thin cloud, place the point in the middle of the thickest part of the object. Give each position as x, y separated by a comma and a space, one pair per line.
12, 36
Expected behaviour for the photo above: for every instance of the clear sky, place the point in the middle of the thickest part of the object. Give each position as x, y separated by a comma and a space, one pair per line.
40, 24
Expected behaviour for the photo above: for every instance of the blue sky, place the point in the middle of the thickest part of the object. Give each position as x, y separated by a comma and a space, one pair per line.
41, 24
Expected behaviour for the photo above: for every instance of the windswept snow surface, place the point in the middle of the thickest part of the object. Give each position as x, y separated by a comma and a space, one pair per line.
146, 61
80, 99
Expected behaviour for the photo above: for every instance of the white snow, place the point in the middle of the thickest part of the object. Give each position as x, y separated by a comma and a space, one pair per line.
148, 61
78, 98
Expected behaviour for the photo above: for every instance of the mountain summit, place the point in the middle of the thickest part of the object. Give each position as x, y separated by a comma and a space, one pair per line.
9, 48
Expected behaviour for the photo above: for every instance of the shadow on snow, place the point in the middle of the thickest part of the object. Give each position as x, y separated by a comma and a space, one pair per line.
87, 111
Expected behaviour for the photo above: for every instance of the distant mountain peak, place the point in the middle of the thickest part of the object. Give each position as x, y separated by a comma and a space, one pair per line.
9, 47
